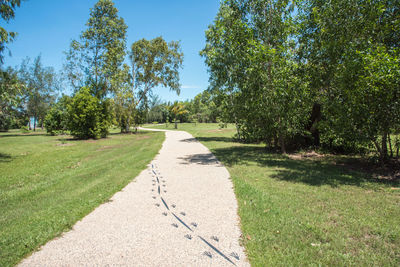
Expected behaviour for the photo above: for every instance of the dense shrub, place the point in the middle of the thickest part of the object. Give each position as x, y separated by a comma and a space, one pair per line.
87, 116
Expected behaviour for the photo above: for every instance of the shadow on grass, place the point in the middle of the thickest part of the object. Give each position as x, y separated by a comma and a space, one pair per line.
5, 157
215, 139
23, 135
311, 172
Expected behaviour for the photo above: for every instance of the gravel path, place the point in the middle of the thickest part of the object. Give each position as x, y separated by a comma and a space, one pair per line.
180, 211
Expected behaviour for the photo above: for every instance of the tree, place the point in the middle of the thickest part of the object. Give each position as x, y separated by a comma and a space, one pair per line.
178, 109
336, 39
250, 52
97, 58
7, 12
11, 90
41, 84
57, 117
86, 116
154, 63
125, 101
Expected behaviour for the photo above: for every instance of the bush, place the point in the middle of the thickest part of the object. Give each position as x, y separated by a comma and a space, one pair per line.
56, 119
25, 129
5, 122
87, 117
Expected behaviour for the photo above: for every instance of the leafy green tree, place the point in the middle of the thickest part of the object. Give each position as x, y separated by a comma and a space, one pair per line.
250, 52
203, 108
336, 39
153, 63
97, 58
41, 84
178, 109
124, 101
11, 92
7, 12
87, 116
56, 119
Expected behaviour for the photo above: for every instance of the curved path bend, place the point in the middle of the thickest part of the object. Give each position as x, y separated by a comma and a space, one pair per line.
180, 211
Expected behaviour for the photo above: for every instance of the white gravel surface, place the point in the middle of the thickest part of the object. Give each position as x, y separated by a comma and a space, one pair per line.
180, 211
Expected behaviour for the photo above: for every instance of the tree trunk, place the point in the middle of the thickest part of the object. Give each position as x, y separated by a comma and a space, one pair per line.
384, 150
282, 144
312, 125
127, 126
390, 146
34, 123
176, 124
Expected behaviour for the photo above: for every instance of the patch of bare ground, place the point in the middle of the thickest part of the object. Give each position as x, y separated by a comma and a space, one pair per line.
105, 148
142, 137
218, 131
306, 155
66, 144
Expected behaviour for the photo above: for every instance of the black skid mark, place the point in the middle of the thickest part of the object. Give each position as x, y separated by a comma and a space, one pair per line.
173, 205
193, 224
165, 204
216, 250
183, 213
182, 222
158, 181
164, 213
154, 172
188, 236
165, 191
158, 205
158, 189
154, 197
174, 225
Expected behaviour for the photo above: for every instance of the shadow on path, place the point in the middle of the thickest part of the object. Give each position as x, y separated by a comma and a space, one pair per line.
203, 159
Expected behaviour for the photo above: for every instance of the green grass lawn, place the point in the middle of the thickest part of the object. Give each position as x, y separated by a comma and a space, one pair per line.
49, 183
306, 212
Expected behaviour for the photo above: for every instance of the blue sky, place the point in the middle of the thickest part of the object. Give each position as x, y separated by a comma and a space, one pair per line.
46, 27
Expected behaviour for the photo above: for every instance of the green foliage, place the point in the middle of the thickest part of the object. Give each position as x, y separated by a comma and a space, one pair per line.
203, 108
87, 116
349, 51
155, 63
307, 72
56, 119
11, 89
25, 129
41, 84
7, 12
97, 58
250, 54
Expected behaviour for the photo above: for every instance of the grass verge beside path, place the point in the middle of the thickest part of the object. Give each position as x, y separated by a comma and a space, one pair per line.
49, 183
306, 212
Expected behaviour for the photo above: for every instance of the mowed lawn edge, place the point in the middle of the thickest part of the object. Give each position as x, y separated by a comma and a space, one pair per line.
306, 212
49, 183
